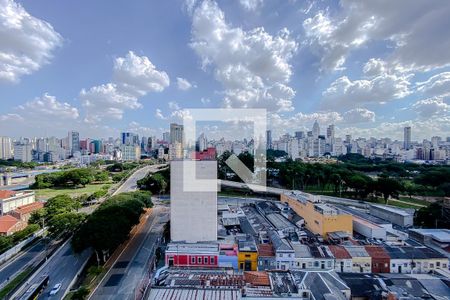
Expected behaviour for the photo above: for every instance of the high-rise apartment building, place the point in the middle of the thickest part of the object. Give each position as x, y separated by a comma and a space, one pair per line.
269, 139
176, 133
330, 133
299, 134
193, 214
74, 142
407, 138
22, 152
5, 147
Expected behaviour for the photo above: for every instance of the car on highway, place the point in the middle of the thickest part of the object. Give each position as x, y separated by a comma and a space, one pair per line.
55, 289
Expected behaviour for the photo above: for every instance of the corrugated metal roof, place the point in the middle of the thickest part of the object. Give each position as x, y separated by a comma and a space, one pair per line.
193, 294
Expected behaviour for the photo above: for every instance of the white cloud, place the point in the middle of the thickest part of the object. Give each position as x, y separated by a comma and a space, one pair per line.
159, 114
406, 26
358, 115
134, 77
48, 106
251, 5
183, 84
374, 67
138, 76
173, 105
11, 118
421, 129
344, 93
436, 85
106, 101
26, 44
431, 107
253, 66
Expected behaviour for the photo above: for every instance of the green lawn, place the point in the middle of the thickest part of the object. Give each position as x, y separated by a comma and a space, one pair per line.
44, 194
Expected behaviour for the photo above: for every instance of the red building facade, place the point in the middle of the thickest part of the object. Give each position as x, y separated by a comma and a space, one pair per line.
380, 259
192, 255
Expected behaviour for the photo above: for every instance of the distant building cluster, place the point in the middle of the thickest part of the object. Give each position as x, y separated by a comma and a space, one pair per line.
312, 144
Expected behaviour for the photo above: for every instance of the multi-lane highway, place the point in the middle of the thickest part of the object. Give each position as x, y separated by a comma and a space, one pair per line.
20, 262
129, 269
64, 265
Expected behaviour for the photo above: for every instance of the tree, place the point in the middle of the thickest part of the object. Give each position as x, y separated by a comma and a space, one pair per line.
65, 222
388, 187
154, 183
60, 204
38, 216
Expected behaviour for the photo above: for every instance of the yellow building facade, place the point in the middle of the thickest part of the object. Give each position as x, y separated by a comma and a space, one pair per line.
247, 256
319, 217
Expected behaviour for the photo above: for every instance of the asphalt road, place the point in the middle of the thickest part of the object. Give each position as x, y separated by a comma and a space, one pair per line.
129, 269
64, 265
9, 269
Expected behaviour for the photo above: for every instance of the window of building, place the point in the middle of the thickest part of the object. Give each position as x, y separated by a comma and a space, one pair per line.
192, 260
329, 264
199, 260
438, 264
405, 264
205, 260
212, 260
431, 265
444, 266
393, 265
310, 264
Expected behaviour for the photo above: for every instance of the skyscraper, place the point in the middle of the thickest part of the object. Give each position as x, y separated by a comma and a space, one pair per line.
74, 142
5, 147
193, 214
407, 138
299, 134
330, 133
269, 139
176, 133
316, 130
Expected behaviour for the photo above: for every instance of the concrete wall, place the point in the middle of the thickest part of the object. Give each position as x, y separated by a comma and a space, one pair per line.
404, 221
193, 214
369, 230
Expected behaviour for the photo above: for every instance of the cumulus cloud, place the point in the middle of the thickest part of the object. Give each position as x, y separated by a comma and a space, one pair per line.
48, 106
345, 93
134, 76
159, 114
430, 107
184, 84
303, 121
436, 85
251, 5
405, 26
253, 66
27, 43
40, 115
358, 115
138, 76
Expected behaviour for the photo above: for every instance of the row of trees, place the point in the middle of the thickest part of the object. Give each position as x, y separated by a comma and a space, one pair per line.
156, 183
109, 225
60, 214
70, 178
17, 164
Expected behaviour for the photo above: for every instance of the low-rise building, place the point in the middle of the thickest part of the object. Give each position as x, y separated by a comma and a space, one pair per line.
24, 212
284, 254
361, 260
380, 259
266, 257
343, 260
10, 200
395, 215
10, 225
201, 255
320, 218
247, 256
228, 256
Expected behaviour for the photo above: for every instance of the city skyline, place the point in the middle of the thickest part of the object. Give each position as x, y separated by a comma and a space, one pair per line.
371, 79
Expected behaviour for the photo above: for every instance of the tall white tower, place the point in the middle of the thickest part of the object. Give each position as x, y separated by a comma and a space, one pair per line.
316, 130
193, 214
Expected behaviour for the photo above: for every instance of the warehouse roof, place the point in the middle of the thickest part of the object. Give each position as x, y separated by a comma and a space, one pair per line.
194, 294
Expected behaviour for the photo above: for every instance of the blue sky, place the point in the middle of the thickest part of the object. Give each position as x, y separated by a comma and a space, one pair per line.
102, 67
